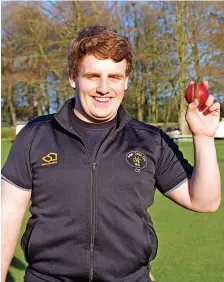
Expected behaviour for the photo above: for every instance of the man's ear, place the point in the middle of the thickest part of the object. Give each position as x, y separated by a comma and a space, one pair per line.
126, 83
72, 80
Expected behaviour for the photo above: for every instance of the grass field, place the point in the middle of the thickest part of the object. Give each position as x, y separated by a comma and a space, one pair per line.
190, 244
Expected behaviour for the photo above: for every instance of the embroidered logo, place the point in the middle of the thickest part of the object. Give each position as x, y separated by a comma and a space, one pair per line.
51, 158
137, 160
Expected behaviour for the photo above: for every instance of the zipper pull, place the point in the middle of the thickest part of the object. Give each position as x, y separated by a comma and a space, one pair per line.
94, 165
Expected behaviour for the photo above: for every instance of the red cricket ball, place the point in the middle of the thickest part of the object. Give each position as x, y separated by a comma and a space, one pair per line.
196, 90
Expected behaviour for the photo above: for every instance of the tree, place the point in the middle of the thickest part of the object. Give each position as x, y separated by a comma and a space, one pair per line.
173, 43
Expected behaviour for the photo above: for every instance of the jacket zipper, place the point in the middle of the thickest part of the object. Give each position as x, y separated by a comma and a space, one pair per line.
93, 206
93, 220
93, 198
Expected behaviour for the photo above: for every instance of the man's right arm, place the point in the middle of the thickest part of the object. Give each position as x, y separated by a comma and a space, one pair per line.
13, 208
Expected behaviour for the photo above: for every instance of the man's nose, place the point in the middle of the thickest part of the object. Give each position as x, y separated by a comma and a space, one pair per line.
103, 87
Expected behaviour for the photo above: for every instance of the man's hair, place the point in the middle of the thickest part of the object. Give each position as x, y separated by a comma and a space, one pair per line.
101, 42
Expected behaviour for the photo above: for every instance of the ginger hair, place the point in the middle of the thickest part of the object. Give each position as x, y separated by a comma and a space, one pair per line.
101, 42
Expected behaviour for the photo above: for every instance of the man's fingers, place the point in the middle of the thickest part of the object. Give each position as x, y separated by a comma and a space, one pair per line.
209, 101
202, 108
191, 82
205, 82
194, 105
214, 107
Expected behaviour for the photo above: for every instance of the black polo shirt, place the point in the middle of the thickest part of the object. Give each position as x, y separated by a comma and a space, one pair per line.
89, 212
93, 135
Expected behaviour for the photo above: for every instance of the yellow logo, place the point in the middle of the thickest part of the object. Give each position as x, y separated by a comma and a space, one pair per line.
136, 159
51, 158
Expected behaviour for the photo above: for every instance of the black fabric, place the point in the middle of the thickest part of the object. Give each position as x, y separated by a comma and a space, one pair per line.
17, 167
92, 217
171, 162
77, 121
93, 135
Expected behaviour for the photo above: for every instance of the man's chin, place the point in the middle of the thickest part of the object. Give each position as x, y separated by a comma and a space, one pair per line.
102, 118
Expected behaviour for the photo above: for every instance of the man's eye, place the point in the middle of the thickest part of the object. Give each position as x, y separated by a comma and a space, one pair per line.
115, 77
93, 77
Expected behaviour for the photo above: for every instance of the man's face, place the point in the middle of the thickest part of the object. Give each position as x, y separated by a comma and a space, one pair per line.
100, 86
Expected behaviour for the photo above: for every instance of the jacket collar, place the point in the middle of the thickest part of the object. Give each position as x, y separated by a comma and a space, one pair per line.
63, 116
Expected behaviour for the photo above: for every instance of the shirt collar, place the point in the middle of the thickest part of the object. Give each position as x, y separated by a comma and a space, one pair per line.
63, 116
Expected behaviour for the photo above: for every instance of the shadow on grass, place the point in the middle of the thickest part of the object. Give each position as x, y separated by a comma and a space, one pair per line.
10, 278
18, 264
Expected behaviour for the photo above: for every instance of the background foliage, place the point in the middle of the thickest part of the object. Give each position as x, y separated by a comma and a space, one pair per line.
173, 42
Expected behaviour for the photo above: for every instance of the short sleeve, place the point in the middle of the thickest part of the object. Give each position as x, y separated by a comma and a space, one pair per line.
17, 169
172, 168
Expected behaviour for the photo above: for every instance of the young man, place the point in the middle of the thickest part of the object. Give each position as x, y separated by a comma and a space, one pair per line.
91, 171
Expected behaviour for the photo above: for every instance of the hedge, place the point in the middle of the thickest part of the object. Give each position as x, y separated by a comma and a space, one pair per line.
8, 132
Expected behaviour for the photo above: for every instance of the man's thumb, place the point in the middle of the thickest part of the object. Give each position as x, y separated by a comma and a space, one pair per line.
194, 105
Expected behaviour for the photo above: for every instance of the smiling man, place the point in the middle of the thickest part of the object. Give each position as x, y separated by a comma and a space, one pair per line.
91, 172
100, 88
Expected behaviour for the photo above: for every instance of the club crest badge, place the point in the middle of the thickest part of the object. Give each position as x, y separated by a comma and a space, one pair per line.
137, 160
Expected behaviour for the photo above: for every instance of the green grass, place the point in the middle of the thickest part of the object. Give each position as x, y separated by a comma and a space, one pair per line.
190, 244
8, 132
18, 264
5, 147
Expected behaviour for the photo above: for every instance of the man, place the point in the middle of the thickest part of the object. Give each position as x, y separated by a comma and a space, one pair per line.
91, 171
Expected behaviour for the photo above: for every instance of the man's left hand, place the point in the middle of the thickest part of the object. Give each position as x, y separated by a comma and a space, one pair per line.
203, 120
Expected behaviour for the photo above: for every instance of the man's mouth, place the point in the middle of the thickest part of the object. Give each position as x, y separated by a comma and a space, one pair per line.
102, 99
